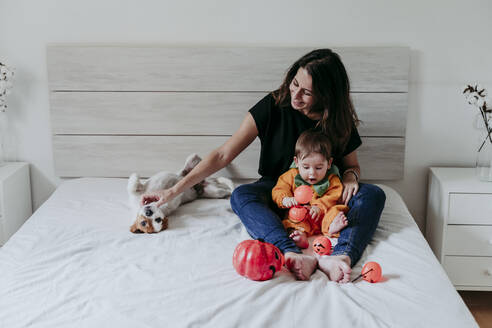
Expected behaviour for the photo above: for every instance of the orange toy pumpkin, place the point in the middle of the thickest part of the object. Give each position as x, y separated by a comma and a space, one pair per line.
303, 194
322, 245
371, 271
257, 260
298, 214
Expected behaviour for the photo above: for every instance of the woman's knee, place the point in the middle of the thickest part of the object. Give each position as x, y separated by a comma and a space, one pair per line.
244, 194
236, 196
370, 193
375, 195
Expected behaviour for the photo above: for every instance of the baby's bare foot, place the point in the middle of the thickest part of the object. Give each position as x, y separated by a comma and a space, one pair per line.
337, 267
300, 238
339, 222
302, 266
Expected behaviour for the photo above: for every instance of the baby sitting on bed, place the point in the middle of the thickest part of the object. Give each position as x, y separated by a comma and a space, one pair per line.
313, 167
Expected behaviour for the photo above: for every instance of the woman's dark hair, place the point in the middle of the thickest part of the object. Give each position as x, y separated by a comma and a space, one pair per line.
331, 94
312, 141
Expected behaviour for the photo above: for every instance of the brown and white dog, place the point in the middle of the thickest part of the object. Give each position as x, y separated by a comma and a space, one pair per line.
152, 219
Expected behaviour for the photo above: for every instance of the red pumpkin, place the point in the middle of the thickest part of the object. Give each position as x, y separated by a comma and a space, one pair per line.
322, 245
298, 214
303, 194
371, 271
257, 260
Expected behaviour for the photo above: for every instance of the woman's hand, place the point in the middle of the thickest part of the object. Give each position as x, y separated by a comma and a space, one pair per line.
159, 196
350, 176
350, 187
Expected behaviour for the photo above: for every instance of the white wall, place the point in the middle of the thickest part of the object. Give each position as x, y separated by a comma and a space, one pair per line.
450, 42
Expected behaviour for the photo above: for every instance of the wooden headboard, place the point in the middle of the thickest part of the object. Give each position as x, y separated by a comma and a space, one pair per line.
122, 109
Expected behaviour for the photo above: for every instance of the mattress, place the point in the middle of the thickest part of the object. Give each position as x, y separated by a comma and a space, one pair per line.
74, 263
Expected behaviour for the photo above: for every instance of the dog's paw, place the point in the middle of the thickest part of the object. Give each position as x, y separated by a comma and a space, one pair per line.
190, 162
217, 188
227, 183
134, 186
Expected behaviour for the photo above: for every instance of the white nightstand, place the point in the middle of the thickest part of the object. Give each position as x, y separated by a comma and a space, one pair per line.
15, 198
459, 226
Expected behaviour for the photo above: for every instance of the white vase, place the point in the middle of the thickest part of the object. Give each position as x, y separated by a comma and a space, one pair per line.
484, 158
3, 134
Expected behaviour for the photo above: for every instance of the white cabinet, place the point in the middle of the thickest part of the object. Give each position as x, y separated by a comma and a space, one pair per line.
15, 198
459, 226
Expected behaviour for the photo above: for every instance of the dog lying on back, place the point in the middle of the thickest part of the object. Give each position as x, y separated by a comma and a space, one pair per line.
152, 219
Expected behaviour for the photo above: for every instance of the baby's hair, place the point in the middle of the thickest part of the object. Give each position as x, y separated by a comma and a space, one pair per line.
311, 141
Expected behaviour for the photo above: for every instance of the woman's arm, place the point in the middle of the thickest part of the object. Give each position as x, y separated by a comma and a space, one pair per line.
350, 177
216, 160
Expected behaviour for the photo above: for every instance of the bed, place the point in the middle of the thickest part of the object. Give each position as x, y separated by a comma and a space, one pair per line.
74, 263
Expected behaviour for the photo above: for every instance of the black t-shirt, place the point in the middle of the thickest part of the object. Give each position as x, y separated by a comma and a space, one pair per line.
278, 130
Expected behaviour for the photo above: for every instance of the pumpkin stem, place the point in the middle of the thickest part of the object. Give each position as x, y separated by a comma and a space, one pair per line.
261, 240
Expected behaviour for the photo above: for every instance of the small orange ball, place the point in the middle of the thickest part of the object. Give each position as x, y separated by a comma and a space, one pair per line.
371, 271
303, 194
298, 214
322, 245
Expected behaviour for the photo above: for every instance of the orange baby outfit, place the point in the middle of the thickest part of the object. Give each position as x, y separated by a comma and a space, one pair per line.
328, 202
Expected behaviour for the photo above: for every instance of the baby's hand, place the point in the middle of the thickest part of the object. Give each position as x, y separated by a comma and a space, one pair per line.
289, 202
314, 212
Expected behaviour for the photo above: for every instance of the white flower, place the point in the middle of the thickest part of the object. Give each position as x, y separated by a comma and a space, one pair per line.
472, 98
10, 74
6, 77
487, 101
480, 102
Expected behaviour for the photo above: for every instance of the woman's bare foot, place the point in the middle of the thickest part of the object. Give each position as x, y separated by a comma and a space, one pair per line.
336, 267
300, 238
301, 265
339, 222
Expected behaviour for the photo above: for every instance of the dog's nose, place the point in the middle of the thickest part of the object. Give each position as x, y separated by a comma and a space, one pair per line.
148, 212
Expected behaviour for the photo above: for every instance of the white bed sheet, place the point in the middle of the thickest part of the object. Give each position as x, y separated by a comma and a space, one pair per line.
75, 264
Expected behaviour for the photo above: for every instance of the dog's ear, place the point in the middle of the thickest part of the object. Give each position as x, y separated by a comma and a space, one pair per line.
165, 224
135, 229
190, 162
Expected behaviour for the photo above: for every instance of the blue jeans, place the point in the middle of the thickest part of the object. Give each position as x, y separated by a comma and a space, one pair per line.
260, 215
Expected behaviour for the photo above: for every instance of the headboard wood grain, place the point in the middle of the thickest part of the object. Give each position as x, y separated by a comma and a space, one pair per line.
111, 104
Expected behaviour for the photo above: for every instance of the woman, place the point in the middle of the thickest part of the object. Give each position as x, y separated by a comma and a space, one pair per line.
314, 94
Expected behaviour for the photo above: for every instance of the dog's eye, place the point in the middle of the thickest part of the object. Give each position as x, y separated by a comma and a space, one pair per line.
143, 223
158, 220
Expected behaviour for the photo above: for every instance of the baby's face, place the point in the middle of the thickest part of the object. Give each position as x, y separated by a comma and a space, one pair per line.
313, 167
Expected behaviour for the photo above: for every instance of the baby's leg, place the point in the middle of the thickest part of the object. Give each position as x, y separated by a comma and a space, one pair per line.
300, 238
339, 222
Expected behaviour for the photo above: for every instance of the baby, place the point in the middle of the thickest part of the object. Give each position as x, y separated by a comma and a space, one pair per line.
313, 167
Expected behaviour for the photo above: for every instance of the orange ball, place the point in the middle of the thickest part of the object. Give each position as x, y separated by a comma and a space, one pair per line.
298, 214
322, 245
371, 271
303, 194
